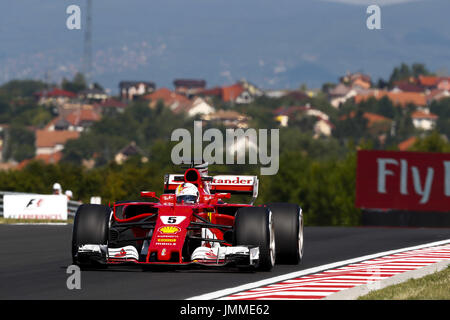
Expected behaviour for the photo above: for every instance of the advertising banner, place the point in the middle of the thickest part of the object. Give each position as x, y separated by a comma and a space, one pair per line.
415, 181
35, 206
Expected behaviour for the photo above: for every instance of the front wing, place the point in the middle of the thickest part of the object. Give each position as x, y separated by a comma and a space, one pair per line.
238, 256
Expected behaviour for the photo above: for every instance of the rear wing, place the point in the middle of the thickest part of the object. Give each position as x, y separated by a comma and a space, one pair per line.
234, 184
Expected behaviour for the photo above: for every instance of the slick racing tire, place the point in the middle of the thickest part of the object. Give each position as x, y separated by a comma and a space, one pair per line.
254, 226
90, 226
288, 222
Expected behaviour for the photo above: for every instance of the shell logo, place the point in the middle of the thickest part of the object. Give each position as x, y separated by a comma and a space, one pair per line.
169, 229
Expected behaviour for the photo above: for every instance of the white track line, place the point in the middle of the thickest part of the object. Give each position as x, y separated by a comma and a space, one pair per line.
225, 292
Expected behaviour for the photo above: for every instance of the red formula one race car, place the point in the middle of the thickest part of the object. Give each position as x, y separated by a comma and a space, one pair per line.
190, 225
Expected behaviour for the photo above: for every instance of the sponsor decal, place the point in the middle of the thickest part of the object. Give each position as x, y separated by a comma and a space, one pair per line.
169, 229
415, 181
167, 236
210, 254
233, 180
172, 219
34, 203
122, 253
40, 216
166, 240
165, 243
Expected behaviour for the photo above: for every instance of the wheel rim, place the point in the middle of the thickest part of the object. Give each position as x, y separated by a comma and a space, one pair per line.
272, 240
300, 234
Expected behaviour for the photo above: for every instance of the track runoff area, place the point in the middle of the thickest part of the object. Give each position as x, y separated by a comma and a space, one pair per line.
415, 184
346, 279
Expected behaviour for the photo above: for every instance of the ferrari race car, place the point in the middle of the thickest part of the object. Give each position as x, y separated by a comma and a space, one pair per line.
195, 231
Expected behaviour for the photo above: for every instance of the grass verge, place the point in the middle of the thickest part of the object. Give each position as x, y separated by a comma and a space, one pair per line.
435, 286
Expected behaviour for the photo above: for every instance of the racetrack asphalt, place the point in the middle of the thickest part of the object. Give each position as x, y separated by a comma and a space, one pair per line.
34, 259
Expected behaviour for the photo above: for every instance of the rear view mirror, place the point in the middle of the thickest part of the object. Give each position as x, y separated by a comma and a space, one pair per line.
222, 195
148, 194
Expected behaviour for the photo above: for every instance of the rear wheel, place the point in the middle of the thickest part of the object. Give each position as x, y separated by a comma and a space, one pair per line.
254, 226
90, 226
288, 221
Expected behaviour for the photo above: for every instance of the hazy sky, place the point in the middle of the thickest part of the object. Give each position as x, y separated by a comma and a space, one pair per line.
370, 2
275, 44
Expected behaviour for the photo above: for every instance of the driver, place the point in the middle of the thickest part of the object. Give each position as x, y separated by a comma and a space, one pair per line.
187, 193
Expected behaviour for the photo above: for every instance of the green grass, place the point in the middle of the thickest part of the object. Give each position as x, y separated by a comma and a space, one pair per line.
435, 286
14, 221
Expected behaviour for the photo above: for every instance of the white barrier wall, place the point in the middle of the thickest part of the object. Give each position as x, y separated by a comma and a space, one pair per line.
37, 206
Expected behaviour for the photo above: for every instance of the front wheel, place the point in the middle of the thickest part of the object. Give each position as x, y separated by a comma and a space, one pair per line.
90, 226
254, 226
288, 221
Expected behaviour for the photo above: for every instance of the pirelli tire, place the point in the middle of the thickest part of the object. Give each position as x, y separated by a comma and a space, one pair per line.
288, 223
90, 226
254, 226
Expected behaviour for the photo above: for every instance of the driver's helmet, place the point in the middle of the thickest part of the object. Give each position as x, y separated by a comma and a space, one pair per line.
187, 192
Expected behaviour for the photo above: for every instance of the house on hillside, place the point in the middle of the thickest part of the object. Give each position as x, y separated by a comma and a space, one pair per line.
131, 90
357, 79
170, 99
340, 94
428, 82
51, 142
235, 93
54, 97
189, 87
437, 94
443, 83
406, 86
128, 151
93, 95
423, 119
75, 120
401, 99
227, 118
198, 106
82, 119
282, 114
275, 93
252, 89
377, 124
322, 126
110, 104
406, 144
46, 158
372, 118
